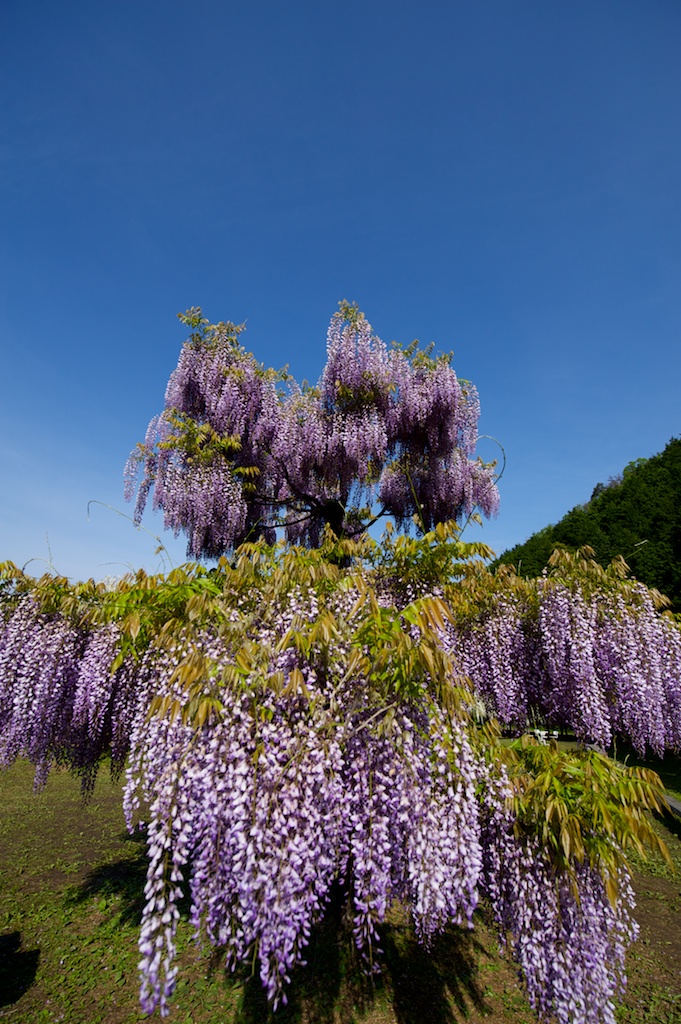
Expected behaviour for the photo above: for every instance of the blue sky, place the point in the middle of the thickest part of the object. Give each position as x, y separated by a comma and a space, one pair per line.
501, 178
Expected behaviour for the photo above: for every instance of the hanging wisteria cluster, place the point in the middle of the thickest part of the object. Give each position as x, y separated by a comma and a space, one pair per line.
59, 701
567, 936
239, 450
291, 728
265, 810
595, 662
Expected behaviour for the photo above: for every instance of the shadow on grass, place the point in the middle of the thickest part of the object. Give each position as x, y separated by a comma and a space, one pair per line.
17, 968
438, 985
429, 985
124, 878
331, 985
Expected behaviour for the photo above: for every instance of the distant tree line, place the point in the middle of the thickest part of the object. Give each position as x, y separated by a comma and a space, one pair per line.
636, 515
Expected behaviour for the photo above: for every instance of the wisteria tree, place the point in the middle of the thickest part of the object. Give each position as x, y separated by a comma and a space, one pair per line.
321, 717
240, 449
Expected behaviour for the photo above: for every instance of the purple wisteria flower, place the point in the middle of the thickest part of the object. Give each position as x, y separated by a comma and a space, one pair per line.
594, 663
569, 941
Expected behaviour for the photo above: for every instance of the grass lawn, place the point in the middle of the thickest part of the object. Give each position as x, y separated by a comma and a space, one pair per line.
71, 884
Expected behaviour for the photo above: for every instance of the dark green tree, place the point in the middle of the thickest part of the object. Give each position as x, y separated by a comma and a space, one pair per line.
636, 516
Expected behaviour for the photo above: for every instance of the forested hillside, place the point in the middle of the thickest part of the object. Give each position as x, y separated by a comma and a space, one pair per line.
636, 515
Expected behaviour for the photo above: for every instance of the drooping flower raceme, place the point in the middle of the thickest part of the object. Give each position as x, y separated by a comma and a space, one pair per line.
268, 804
60, 701
568, 939
597, 663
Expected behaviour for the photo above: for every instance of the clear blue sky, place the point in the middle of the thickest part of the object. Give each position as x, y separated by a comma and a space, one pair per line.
502, 178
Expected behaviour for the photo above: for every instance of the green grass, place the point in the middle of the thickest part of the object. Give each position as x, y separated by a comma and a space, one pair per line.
71, 883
